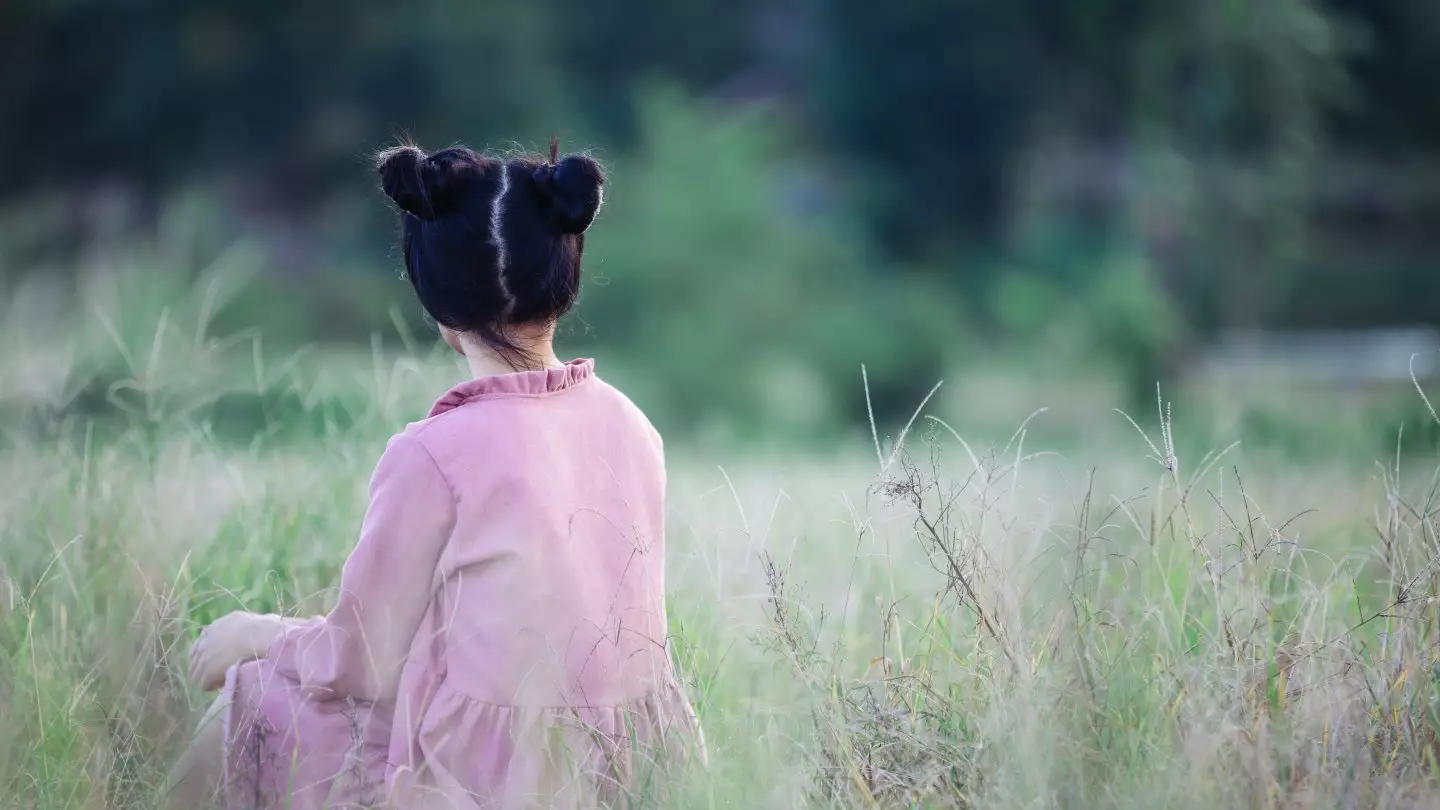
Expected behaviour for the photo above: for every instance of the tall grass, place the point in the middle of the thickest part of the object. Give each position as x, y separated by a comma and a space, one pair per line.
943, 624
1177, 647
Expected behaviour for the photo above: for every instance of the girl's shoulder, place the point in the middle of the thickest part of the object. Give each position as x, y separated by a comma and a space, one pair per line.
631, 413
490, 425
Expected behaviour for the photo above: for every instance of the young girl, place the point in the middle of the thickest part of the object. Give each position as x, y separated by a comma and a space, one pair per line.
500, 637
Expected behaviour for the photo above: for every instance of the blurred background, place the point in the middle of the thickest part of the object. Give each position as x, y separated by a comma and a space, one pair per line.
1045, 203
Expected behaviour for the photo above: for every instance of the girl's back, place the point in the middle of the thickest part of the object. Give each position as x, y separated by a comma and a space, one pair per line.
544, 648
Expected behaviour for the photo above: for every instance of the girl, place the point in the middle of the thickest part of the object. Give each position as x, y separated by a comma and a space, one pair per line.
499, 638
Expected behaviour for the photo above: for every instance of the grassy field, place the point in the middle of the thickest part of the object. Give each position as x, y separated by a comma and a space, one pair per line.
945, 624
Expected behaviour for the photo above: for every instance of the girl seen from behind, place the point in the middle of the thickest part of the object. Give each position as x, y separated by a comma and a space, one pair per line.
499, 638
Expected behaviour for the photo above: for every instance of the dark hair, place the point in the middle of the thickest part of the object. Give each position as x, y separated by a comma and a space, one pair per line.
492, 243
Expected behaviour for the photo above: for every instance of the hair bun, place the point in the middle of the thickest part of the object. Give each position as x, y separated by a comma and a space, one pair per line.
400, 179
426, 186
573, 189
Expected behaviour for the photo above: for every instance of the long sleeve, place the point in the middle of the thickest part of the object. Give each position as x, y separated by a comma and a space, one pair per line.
356, 651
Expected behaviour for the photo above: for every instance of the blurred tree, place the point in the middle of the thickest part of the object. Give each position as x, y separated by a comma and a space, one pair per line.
699, 269
932, 99
158, 90
606, 48
1268, 158
1396, 106
1230, 106
926, 98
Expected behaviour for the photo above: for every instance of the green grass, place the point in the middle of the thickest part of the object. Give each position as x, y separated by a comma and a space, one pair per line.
953, 624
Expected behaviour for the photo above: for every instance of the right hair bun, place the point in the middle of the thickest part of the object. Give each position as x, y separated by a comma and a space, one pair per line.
574, 188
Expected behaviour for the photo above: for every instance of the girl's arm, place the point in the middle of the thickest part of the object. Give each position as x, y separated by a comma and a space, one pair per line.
357, 649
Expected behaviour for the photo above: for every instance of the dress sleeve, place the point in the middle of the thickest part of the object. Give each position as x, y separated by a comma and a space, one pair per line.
356, 651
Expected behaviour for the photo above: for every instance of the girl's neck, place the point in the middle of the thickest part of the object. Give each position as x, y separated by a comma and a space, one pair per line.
538, 351
487, 363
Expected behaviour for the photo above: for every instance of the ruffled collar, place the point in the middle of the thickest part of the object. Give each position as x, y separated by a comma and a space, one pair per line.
521, 383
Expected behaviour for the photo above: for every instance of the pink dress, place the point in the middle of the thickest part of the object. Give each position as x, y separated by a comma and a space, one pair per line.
500, 634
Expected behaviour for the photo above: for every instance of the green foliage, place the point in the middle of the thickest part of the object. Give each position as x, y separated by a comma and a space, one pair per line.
1102, 308
162, 91
709, 267
814, 179
1133, 322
